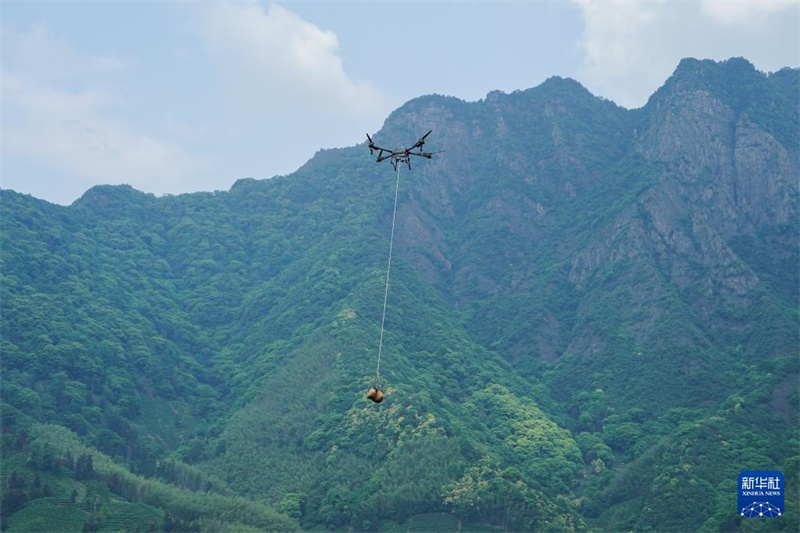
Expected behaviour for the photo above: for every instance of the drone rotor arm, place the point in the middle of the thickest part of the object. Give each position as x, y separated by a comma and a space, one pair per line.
421, 141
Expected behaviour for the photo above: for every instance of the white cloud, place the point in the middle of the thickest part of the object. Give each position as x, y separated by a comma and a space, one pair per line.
42, 55
744, 12
68, 130
60, 119
272, 59
258, 91
612, 47
631, 48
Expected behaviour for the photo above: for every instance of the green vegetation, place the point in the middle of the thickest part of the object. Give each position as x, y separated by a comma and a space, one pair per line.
87, 489
592, 320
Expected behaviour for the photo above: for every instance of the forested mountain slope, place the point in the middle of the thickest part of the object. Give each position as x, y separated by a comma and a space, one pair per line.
593, 319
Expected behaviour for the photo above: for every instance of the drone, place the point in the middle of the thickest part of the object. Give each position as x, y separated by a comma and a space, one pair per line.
400, 155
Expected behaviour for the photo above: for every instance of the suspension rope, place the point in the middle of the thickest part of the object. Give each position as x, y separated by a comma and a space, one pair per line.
388, 271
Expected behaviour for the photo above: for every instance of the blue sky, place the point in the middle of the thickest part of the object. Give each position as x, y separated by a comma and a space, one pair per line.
175, 97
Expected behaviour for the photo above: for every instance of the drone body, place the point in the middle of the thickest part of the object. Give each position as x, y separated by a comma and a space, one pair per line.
400, 155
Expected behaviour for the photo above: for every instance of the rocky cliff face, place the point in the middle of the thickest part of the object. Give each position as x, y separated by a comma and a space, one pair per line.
671, 225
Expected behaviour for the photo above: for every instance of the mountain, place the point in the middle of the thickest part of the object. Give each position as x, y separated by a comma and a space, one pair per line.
592, 321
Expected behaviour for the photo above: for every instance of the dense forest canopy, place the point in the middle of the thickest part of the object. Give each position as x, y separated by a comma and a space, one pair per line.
593, 319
